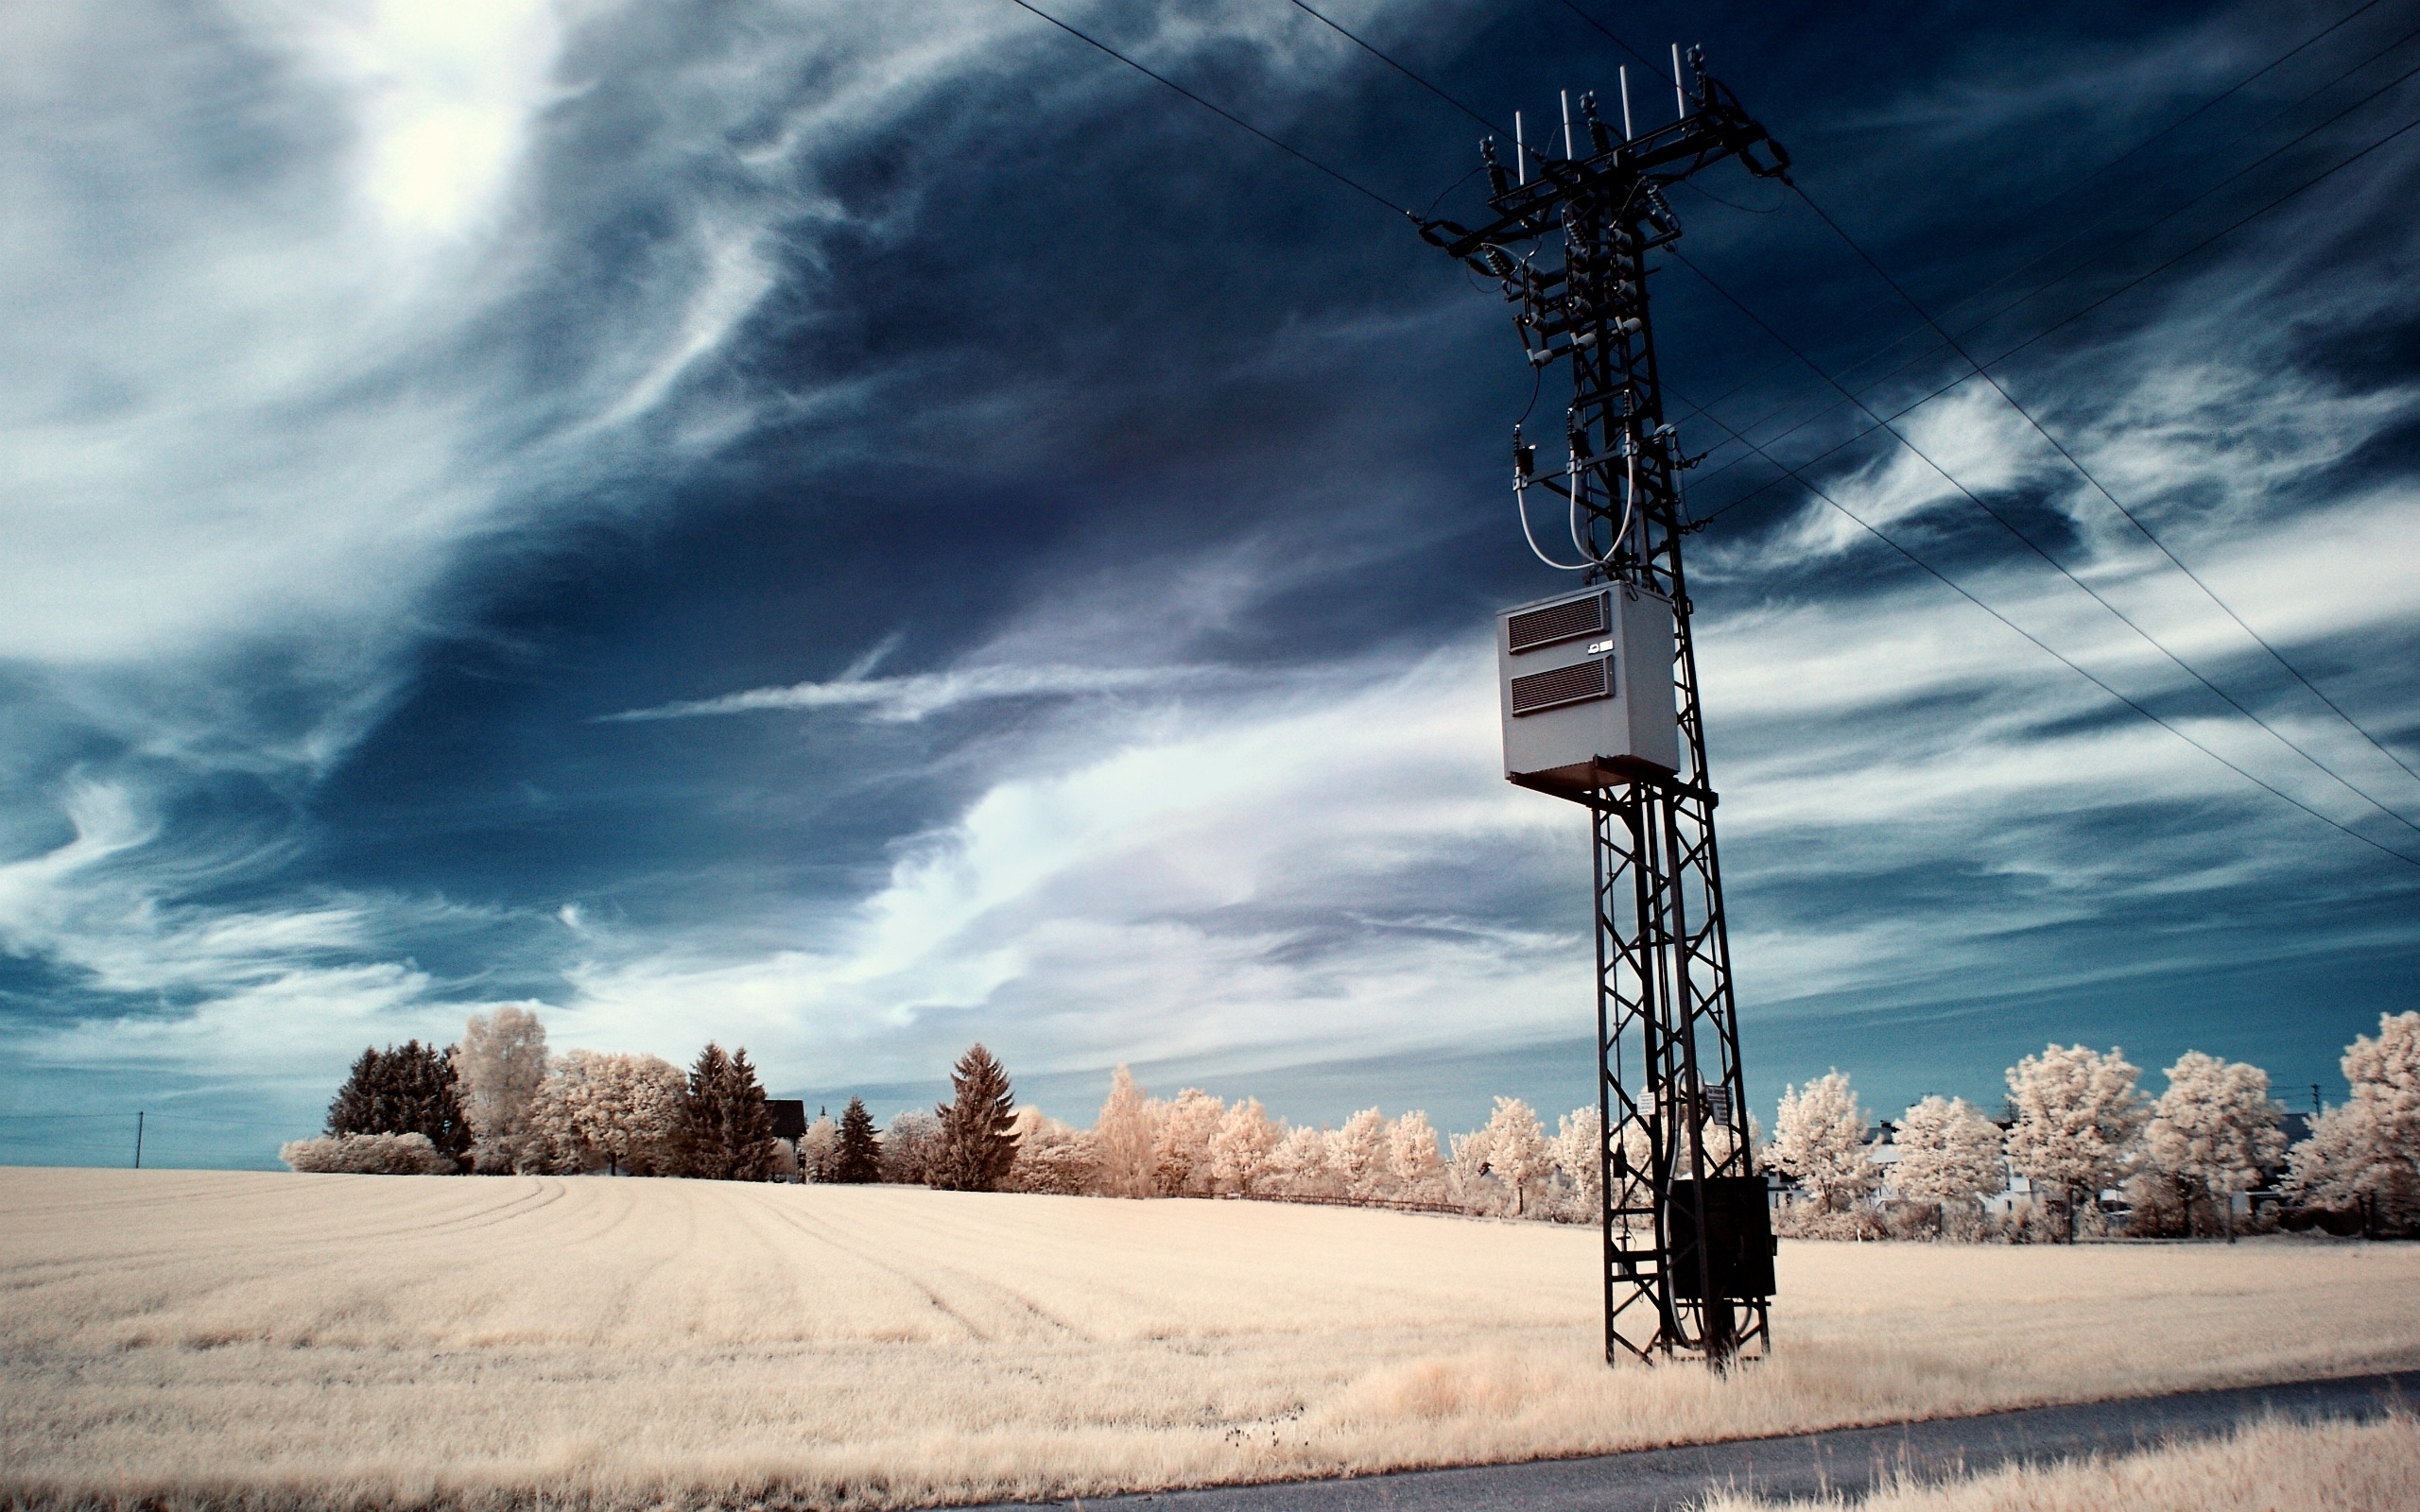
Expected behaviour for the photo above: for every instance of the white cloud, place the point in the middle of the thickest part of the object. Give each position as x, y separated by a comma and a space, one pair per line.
271, 407
912, 697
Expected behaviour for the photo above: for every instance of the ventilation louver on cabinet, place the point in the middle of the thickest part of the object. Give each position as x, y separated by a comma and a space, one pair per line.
1556, 622
1576, 683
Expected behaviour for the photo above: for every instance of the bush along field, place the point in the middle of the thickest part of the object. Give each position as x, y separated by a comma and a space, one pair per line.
2079, 1150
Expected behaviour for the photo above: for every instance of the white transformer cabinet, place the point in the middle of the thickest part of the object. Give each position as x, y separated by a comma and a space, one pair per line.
1587, 688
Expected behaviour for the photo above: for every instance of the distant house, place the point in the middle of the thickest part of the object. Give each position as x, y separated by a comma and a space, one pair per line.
790, 1118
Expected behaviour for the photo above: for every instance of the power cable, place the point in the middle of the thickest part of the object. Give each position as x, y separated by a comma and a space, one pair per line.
2222, 232
2086, 475
2060, 657
2052, 282
2035, 547
2098, 221
1970, 495
2004, 523
1405, 72
1358, 188
2072, 187
1381, 200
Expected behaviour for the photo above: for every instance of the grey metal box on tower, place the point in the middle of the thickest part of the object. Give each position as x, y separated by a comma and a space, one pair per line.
1586, 680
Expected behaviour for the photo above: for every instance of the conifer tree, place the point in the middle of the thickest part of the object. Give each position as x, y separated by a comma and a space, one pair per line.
726, 1132
696, 1136
750, 1122
860, 1157
406, 1090
976, 1145
355, 1109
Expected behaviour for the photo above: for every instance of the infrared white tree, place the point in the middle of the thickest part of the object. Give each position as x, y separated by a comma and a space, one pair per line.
1180, 1150
1122, 1142
498, 1067
600, 1110
1818, 1140
1365, 1157
2365, 1152
818, 1150
2213, 1133
1052, 1157
907, 1146
1299, 1166
1949, 1154
1579, 1160
2078, 1118
1411, 1148
1240, 1151
1513, 1148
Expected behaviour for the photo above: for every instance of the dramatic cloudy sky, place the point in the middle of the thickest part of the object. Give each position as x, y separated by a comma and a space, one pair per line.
853, 528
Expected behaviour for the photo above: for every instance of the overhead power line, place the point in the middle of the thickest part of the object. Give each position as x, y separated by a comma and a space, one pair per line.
2048, 331
2032, 546
2087, 228
2074, 185
1357, 187
2006, 523
2054, 281
2055, 654
1405, 72
2086, 473
1877, 420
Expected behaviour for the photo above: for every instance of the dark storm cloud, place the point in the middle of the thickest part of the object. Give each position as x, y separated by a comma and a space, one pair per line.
851, 529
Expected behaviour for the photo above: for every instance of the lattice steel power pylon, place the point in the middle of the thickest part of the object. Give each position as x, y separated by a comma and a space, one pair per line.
1687, 1241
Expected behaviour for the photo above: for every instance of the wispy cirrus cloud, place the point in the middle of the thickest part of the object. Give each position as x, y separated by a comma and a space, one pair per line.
915, 696
669, 354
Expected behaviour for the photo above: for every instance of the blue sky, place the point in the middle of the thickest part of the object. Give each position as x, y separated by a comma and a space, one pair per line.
852, 529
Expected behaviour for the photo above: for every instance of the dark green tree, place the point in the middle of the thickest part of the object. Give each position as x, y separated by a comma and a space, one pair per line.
406, 1089
355, 1109
726, 1132
860, 1159
976, 1146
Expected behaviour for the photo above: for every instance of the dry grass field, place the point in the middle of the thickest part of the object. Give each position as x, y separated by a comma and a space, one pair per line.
336, 1341
2272, 1467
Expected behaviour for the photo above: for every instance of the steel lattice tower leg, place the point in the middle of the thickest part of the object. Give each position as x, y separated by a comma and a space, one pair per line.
1668, 1076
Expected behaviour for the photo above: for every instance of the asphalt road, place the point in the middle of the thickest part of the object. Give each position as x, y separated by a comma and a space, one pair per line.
1849, 1460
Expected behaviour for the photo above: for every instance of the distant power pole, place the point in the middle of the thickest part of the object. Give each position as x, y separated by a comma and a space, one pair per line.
138, 1142
1687, 1237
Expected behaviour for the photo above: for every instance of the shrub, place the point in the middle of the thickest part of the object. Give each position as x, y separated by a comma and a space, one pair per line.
1808, 1218
367, 1155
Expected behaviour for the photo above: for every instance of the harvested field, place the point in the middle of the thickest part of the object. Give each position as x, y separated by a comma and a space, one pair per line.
331, 1340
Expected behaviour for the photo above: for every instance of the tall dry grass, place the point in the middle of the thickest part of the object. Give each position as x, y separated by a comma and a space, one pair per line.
2270, 1467
331, 1340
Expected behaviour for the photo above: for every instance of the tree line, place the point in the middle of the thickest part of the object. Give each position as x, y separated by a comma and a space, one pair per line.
499, 1103
2080, 1130
2076, 1124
